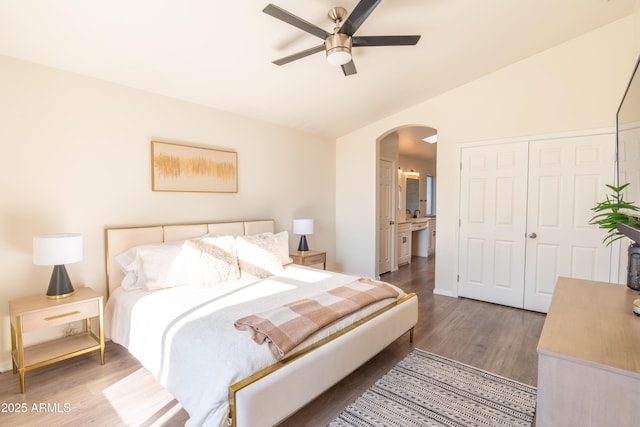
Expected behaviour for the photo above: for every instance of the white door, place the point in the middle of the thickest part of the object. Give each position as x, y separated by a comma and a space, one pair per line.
567, 178
493, 222
524, 213
385, 224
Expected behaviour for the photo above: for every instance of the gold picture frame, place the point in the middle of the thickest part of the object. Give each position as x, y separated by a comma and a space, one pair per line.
186, 168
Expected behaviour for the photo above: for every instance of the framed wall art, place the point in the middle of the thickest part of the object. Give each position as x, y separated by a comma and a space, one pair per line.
176, 167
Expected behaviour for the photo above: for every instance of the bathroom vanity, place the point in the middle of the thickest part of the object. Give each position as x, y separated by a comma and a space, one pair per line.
422, 236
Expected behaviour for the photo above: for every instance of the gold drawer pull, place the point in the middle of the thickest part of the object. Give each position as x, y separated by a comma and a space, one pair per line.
62, 315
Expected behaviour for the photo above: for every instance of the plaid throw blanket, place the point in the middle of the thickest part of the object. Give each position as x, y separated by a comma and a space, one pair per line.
283, 328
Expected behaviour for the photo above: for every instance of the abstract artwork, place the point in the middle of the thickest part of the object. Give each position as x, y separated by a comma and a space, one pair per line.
178, 167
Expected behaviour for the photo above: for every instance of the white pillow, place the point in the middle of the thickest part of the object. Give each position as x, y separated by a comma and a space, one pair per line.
162, 266
258, 255
130, 281
154, 266
212, 260
127, 261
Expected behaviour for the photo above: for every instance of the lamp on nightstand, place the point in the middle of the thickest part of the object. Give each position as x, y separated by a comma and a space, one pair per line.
303, 227
58, 250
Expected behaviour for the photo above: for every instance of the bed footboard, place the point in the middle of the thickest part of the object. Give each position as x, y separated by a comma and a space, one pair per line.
273, 394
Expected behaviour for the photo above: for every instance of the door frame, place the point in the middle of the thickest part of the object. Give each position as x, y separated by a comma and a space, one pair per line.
391, 244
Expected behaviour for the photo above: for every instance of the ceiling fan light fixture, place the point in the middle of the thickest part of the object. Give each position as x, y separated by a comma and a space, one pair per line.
338, 49
338, 57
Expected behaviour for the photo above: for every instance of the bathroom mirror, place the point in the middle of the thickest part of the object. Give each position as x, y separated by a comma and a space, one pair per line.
413, 196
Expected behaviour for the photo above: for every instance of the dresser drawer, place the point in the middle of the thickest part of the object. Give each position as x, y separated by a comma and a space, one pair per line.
55, 316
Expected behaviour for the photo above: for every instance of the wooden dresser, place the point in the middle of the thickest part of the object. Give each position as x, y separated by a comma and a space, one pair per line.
589, 357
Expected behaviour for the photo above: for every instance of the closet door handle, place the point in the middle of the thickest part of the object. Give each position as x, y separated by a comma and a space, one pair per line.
532, 235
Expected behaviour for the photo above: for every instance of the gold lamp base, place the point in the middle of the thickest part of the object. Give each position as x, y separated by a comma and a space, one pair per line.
60, 296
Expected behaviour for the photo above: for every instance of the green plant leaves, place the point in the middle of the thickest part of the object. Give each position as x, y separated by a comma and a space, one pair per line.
608, 213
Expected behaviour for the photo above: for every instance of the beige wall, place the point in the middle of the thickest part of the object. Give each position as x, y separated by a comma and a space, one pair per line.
76, 158
574, 86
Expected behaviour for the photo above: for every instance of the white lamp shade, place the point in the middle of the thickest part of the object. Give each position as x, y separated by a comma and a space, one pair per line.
303, 226
57, 249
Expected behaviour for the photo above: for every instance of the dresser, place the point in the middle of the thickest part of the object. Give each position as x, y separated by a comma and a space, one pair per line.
589, 357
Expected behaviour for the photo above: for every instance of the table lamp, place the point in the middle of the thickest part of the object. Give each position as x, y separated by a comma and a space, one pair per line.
303, 227
57, 250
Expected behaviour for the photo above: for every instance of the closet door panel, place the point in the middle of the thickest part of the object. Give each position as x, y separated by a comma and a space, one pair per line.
492, 223
567, 177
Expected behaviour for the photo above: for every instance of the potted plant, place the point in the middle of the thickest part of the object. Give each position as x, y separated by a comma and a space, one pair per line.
608, 213
608, 216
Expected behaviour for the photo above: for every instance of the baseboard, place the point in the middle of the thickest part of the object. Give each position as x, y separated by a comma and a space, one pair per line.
444, 293
6, 366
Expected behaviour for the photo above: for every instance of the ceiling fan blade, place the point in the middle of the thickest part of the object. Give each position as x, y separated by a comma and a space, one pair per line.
349, 68
299, 55
291, 19
361, 12
385, 41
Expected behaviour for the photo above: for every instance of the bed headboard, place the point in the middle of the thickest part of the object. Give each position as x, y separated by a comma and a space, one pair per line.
118, 240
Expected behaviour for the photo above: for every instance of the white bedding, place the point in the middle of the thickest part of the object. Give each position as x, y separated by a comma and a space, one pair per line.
185, 336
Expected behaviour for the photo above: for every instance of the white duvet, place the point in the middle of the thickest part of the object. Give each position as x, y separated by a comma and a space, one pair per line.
185, 335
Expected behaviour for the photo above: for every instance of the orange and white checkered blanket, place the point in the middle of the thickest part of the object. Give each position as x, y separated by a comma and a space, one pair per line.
283, 328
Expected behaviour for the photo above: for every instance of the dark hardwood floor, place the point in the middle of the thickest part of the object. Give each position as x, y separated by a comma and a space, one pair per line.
80, 391
497, 339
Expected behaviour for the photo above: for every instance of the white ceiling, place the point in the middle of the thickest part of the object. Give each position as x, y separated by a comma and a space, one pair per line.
219, 53
411, 144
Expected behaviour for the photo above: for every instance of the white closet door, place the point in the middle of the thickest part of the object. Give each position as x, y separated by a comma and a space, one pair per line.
493, 191
567, 178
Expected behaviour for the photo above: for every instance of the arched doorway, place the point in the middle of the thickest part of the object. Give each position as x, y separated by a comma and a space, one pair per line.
406, 160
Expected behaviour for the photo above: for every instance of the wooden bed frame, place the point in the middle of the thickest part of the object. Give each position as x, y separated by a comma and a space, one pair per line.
271, 395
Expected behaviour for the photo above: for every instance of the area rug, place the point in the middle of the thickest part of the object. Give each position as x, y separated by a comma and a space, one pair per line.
429, 390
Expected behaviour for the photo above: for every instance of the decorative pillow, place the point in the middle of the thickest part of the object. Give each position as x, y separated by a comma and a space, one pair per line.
282, 245
212, 260
258, 255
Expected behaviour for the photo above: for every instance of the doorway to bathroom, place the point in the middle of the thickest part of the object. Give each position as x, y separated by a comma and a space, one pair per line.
406, 198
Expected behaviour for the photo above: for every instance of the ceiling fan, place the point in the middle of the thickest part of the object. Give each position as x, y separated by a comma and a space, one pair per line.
338, 44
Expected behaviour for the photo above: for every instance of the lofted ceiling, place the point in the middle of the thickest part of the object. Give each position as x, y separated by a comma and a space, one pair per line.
411, 142
219, 53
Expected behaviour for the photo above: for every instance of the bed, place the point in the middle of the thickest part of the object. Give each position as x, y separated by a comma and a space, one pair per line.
173, 331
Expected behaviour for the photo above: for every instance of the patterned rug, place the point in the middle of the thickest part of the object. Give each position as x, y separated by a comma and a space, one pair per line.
428, 390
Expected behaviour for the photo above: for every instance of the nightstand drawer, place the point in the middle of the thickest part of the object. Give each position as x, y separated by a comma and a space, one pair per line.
315, 259
309, 258
55, 316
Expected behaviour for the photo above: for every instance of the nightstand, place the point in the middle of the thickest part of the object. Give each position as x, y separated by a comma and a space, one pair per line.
39, 312
309, 258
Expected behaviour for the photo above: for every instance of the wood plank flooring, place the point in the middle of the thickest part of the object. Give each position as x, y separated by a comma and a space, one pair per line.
80, 391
